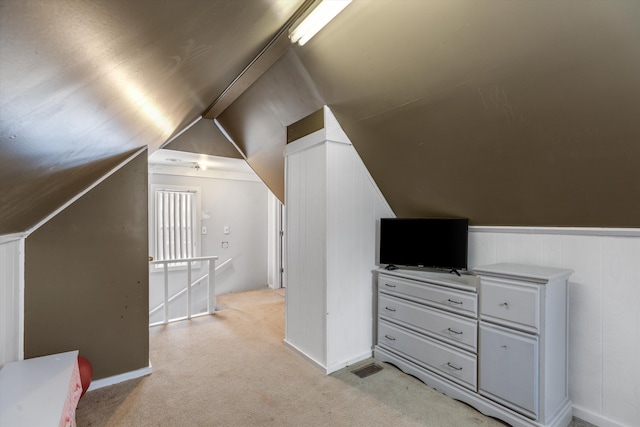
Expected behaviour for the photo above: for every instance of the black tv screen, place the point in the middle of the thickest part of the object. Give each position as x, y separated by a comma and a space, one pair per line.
424, 242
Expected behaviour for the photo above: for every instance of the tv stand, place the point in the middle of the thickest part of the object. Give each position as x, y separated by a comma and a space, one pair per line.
456, 272
496, 341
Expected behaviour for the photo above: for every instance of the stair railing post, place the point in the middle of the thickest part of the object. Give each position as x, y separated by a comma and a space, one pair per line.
188, 289
212, 286
165, 268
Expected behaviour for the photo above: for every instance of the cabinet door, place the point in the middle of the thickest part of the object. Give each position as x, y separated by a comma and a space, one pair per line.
508, 371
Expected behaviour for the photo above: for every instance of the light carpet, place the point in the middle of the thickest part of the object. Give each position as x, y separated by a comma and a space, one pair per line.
232, 369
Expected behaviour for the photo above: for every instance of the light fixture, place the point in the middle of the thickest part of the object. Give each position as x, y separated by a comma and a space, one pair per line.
320, 16
200, 166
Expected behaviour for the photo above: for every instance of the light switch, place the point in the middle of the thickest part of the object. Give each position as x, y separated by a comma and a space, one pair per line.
204, 230
226, 229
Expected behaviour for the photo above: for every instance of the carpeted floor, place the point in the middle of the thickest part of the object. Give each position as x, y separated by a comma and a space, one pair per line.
232, 369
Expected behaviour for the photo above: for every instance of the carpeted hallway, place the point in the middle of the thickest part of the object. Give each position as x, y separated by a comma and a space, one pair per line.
232, 369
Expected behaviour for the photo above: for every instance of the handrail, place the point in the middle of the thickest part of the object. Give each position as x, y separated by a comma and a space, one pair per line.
211, 294
225, 262
194, 259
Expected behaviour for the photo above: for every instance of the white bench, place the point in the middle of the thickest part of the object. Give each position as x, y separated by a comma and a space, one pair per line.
42, 391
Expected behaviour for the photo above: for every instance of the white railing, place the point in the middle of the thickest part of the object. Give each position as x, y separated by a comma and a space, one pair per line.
211, 294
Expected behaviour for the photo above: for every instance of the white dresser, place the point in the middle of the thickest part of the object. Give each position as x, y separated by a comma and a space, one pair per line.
496, 340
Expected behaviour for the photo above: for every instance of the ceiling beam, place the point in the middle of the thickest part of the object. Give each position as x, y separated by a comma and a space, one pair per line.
260, 64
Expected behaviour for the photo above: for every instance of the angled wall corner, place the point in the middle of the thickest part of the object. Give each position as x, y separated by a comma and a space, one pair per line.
24, 204
204, 137
257, 120
86, 276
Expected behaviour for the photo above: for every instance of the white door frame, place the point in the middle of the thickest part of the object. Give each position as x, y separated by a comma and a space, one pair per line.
275, 242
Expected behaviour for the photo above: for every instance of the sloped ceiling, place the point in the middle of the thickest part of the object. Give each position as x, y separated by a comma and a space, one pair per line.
509, 113
82, 81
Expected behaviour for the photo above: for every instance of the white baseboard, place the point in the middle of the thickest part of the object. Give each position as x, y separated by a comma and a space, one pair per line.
337, 366
306, 357
595, 419
104, 382
327, 369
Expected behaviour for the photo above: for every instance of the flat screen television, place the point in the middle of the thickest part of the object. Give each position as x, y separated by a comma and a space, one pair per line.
439, 243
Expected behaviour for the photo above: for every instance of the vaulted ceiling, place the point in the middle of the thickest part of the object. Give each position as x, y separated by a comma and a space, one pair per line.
85, 82
509, 113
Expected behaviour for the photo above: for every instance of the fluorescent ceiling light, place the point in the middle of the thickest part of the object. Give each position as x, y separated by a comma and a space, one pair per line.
316, 20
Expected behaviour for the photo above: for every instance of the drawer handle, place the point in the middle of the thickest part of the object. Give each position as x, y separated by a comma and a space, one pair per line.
505, 305
454, 302
389, 338
453, 367
454, 331
391, 286
390, 309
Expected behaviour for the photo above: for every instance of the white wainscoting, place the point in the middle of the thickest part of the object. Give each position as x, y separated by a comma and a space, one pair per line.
353, 215
604, 308
305, 321
333, 208
11, 299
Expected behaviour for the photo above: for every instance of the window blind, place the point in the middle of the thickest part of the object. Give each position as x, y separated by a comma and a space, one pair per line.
175, 220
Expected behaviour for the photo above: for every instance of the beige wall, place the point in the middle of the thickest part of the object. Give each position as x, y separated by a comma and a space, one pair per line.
86, 277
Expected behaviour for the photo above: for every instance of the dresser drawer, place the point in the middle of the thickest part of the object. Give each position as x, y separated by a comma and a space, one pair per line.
445, 360
450, 328
464, 303
510, 304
